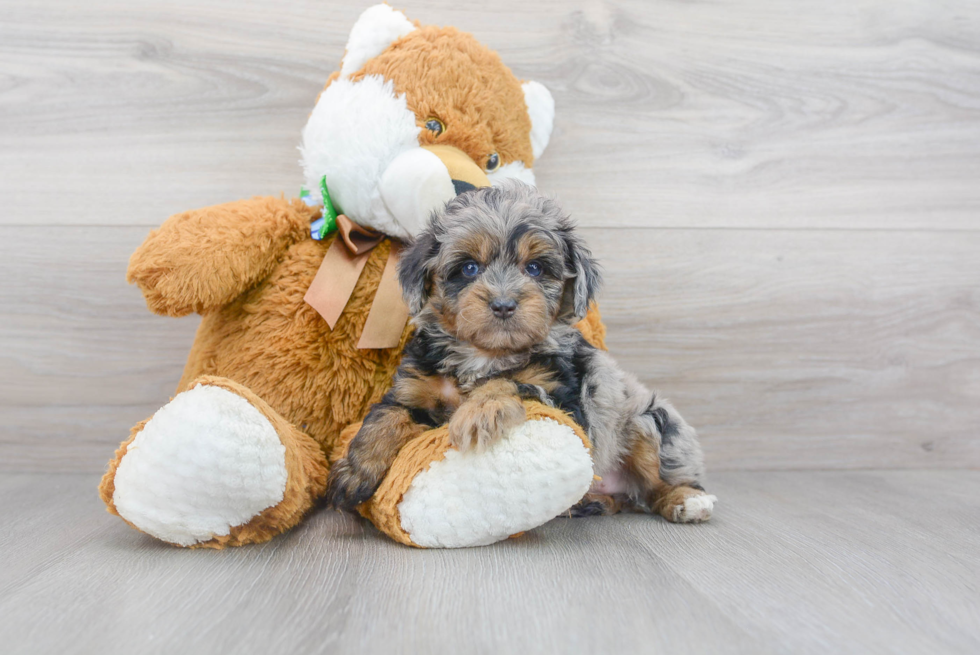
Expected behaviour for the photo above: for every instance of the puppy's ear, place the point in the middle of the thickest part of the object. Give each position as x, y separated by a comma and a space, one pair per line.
582, 279
415, 269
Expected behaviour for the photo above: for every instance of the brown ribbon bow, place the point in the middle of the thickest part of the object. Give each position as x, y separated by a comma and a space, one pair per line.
338, 274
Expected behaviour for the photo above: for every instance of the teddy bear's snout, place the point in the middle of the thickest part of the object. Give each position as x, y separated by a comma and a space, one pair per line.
463, 171
422, 180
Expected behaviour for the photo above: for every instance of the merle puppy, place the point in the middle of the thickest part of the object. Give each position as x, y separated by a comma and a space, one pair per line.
495, 284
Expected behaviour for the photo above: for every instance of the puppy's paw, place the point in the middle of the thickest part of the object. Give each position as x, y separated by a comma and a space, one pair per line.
596, 505
480, 421
349, 485
695, 509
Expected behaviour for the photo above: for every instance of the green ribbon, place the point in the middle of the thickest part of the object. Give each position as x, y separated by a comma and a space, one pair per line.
329, 211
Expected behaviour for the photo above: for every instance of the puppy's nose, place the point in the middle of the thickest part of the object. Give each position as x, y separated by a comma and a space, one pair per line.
503, 307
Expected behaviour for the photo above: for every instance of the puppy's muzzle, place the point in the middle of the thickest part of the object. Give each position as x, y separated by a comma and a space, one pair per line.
503, 308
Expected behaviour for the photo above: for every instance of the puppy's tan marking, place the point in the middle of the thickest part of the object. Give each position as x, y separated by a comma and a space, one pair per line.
371, 453
534, 319
427, 392
481, 246
442, 311
376, 455
537, 375
473, 317
488, 412
475, 322
667, 500
532, 245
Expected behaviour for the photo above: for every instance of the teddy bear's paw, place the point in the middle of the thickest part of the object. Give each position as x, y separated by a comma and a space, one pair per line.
474, 498
204, 463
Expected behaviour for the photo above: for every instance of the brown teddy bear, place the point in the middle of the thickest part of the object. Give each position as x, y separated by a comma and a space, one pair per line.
301, 334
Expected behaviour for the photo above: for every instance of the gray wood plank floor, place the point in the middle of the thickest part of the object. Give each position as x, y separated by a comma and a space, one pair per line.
794, 562
758, 113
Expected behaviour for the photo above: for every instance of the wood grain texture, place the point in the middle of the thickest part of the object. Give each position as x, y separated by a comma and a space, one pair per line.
801, 562
799, 349
787, 349
763, 114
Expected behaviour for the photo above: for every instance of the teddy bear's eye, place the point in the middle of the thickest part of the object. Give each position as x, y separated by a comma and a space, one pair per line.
493, 161
435, 126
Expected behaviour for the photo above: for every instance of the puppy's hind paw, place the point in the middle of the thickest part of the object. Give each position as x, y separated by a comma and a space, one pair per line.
595, 505
695, 509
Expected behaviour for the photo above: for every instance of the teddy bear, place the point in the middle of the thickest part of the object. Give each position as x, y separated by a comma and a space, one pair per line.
302, 323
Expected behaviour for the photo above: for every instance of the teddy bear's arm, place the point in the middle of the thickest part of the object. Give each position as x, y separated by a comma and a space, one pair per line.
205, 258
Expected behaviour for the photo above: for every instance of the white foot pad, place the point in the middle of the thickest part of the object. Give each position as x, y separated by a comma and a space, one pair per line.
205, 462
695, 509
526, 479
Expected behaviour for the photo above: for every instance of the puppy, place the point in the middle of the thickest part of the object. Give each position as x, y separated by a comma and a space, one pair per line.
495, 284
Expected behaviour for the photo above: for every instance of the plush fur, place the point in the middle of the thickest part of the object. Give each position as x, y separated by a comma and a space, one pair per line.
305, 468
494, 284
366, 120
245, 267
365, 125
375, 30
478, 497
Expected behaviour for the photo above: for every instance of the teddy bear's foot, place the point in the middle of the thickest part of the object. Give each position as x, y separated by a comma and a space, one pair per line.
214, 467
528, 477
437, 497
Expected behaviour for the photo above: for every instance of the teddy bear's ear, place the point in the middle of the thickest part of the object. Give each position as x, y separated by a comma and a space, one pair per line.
541, 109
377, 28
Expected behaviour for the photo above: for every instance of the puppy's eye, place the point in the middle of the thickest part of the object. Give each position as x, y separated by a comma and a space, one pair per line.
493, 161
533, 269
470, 269
435, 126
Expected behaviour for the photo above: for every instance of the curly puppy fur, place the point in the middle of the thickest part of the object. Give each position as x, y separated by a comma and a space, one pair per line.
494, 284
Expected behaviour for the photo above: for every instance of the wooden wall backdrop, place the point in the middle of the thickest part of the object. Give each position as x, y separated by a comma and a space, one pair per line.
785, 195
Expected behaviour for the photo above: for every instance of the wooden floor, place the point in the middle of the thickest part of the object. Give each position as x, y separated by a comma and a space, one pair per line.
815, 562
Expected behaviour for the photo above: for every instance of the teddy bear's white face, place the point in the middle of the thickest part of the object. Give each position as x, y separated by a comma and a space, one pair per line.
363, 138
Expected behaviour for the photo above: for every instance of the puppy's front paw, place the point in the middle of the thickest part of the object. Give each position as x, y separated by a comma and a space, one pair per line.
480, 422
349, 485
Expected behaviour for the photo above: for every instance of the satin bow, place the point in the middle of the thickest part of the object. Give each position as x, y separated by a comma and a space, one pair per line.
338, 274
